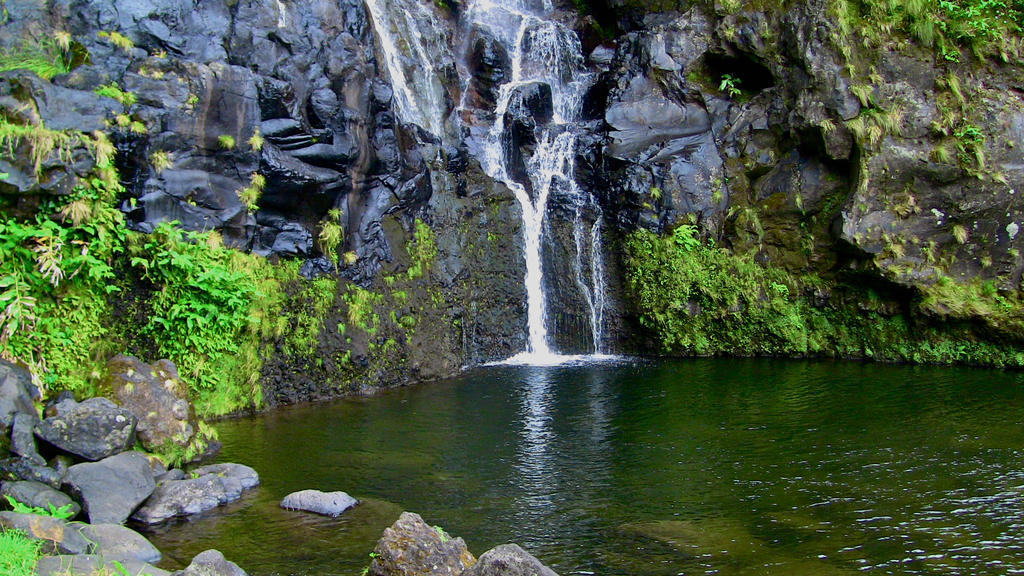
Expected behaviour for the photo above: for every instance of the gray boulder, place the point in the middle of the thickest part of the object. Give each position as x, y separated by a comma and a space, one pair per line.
157, 397
411, 547
23, 439
93, 430
326, 503
211, 563
16, 393
111, 489
38, 495
91, 565
56, 535
214, 486
115, 542
508, 560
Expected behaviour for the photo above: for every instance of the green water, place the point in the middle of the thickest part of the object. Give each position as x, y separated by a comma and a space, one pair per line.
730, 467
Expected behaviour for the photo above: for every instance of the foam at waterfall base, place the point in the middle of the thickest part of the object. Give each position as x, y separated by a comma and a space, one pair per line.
553, 359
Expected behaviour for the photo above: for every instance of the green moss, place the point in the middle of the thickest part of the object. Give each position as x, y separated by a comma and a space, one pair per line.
422, 250
361, 309
311, 306
699, 299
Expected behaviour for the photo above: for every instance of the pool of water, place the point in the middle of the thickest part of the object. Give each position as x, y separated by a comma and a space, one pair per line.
729, 467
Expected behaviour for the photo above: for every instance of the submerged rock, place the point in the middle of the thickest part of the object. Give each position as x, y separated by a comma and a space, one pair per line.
211, 563
111, 488
93, 429
326, 503
508, 560
410, 547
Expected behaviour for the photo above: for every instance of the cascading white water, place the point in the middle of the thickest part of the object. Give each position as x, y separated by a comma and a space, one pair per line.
540, 50
413, 42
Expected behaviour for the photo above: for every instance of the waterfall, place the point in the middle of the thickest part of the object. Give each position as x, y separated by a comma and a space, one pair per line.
413, 42
545, 63
541, 51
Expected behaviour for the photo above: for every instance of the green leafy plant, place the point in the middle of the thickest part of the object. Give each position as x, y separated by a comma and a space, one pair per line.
209, 313
226, 141
114, 91
730, 85
64, 512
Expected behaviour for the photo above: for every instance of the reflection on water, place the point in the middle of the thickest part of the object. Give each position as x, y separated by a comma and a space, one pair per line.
732, 467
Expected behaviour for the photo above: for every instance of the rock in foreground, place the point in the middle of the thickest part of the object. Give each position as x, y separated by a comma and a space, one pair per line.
156, 396
410, 547
92, 565
326, 503
93, 430
111, 488
39, 495
56, 535
215, 485
115, 542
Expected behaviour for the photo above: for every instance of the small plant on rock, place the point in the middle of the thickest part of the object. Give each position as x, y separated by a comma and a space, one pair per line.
730, 85
226, 141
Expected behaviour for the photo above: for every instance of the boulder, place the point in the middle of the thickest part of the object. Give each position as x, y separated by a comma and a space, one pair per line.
214, 486
111, 489
29, 469
157, 397
411, 547
93, 430
115, 542
211, 563
91, 565
16, 393
23, 439
56, 535
326, 503
508, 560
38, 495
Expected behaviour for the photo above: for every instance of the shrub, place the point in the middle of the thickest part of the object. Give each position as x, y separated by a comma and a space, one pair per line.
209, 314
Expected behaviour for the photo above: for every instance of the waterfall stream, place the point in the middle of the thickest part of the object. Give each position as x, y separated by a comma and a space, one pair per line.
542, 53
413, 42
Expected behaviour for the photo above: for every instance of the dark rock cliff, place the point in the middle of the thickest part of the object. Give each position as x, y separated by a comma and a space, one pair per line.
887, 166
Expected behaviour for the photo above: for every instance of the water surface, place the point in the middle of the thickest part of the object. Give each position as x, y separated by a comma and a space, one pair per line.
730, 467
